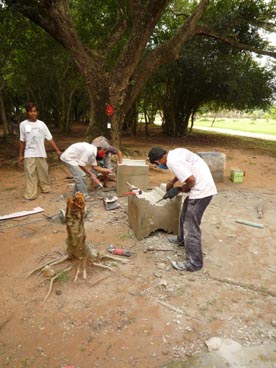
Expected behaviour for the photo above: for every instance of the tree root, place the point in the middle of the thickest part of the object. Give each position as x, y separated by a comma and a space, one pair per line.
114, 258
102, 266
50, 263
52, 282
80, 263
78, 249
84, 263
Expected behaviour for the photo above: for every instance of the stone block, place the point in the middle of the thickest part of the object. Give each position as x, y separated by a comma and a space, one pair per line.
216, 162
135, 172
145, 215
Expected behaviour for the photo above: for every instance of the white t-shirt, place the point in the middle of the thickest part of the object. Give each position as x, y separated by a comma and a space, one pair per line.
34, 134
184, 163
80, 154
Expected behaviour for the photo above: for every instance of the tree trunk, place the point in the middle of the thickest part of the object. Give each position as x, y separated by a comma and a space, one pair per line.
192, 121
98, 120
76, 246
3, 117
213, 121
68, 110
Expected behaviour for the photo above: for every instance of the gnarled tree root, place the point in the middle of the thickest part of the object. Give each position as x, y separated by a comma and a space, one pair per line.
52, 282
51, 263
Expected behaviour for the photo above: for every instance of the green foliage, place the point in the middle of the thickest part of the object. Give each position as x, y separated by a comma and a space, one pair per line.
38, 69
245, 124
63, 277
272, 112
210, 74
239, 19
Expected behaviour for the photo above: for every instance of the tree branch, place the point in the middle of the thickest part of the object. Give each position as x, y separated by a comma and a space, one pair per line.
54, 17
143, 23
206, 31
145, 19
167, 52
114, 37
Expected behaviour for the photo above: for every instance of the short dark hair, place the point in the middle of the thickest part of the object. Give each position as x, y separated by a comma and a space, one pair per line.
30, 105
156, 153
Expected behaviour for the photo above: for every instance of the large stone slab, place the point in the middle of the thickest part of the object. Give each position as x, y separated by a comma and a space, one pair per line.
216, 162
145, 215
135, 172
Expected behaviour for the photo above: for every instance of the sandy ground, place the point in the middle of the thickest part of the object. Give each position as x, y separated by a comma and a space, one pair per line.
144, 314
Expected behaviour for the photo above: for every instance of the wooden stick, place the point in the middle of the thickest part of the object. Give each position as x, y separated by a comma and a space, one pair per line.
152, 249
257, 289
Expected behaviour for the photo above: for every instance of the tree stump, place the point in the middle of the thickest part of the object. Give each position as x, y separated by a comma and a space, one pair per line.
76, 245
77, 248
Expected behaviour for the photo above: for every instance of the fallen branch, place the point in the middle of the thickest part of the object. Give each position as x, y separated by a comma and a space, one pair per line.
258, 289
174, 309
100, 280
5, 322
152, 249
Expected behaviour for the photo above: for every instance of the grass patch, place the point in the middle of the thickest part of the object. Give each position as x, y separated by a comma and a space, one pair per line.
63, 277
209, 139
261, 126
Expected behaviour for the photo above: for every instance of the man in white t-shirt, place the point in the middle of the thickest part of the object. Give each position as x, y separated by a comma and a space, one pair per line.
80, 155
104, 160
196, 179
33, 133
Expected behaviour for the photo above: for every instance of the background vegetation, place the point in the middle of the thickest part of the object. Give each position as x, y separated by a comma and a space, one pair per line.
179, 58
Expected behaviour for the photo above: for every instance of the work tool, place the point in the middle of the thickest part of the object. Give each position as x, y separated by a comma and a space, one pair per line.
119, 251
111, 203
133, 189
134, 192
170, 193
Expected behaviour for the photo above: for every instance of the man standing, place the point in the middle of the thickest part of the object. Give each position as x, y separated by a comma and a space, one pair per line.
33, 133
80, 155
196, 179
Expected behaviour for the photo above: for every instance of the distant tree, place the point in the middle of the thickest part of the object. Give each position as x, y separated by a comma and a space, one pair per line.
209, 73
11, 37
272, 112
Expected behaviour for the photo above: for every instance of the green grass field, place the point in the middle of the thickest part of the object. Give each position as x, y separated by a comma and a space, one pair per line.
261, 126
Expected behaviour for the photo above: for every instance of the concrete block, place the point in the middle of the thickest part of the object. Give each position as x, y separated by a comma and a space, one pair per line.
216, 162
135, 172
146, 216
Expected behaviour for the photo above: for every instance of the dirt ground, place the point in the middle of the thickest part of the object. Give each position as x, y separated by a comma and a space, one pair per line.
144, 314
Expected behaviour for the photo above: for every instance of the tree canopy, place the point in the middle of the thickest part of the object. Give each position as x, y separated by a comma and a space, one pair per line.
118, 45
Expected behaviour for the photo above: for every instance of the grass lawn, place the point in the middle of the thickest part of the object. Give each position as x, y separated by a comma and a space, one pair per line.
261, 126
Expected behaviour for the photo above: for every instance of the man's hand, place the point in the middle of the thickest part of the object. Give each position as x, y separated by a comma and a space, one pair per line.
110, 171
169, 186
171, 193
20, 159
93, 177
